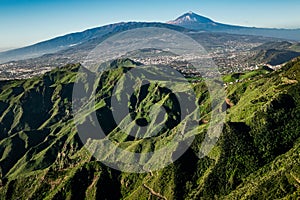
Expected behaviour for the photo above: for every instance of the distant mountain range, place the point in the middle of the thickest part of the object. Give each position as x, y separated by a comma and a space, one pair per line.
75, 39
193, 21
43, 149
189, 22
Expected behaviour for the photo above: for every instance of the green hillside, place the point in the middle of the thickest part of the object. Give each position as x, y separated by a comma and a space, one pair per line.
274, 56
257, 156
246, 75
275, 53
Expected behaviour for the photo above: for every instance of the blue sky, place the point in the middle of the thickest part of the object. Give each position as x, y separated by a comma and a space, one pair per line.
25, 22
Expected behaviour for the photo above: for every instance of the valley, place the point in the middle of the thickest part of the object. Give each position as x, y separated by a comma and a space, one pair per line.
43, 157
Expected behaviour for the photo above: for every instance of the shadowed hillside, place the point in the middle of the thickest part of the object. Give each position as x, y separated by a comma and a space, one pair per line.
257, 156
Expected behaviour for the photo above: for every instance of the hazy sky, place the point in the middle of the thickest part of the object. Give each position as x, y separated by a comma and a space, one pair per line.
25, 22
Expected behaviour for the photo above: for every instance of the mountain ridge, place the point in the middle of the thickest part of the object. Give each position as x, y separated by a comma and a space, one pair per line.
188, 21
72, 39
257, 156
192, 20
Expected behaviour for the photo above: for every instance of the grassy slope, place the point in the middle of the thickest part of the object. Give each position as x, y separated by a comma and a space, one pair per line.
246, 75
276, 53
257, 156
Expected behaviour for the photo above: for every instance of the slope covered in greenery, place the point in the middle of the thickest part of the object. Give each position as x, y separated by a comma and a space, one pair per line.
246, 75
257, 156
274, 56
275, 53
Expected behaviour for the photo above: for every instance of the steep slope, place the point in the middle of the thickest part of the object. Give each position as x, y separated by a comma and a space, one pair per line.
193, 21
274, 56
256, 157
275, 53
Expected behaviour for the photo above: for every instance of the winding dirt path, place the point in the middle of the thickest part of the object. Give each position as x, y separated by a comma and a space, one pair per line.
154, 193
229, 103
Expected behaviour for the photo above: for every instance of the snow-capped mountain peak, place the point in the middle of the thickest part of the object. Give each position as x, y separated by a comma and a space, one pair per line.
190, 17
